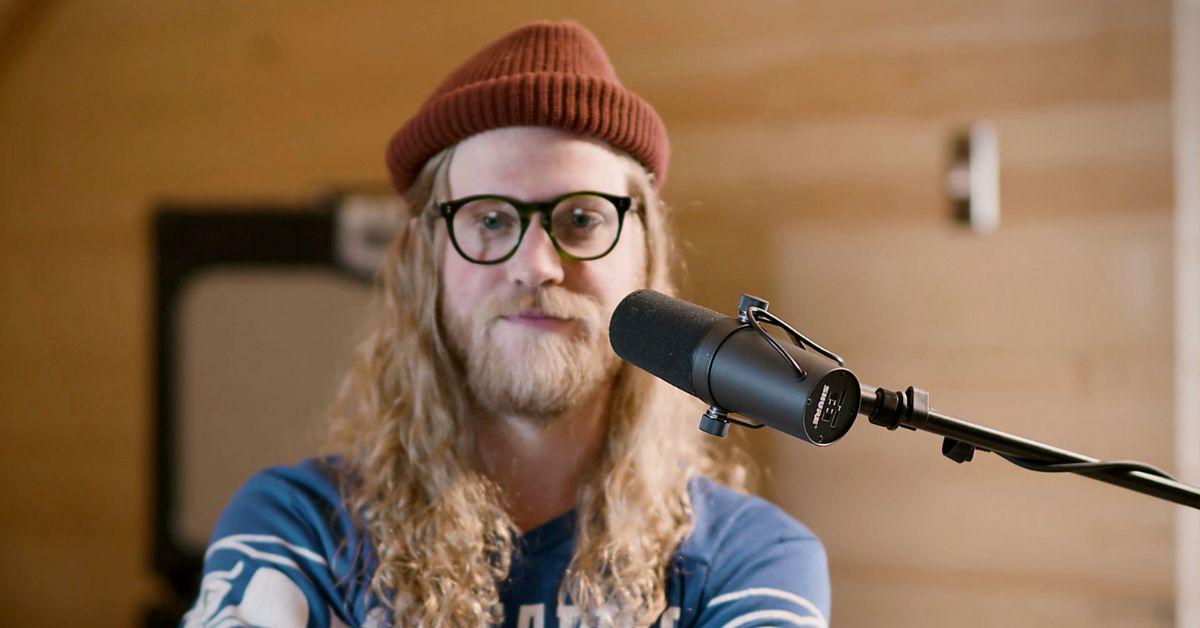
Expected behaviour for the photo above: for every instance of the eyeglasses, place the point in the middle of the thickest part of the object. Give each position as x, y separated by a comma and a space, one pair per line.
488, 228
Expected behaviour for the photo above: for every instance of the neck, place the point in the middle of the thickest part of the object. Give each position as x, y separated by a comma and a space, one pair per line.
541, 465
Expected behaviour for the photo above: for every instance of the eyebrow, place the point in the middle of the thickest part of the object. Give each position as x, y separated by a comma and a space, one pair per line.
537, 202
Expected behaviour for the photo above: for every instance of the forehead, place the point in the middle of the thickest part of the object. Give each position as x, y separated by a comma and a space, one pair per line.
534, 163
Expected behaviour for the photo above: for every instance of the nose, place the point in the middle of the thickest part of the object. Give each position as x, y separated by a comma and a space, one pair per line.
536, 262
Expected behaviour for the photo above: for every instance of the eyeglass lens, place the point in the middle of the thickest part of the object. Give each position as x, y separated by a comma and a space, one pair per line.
583, 226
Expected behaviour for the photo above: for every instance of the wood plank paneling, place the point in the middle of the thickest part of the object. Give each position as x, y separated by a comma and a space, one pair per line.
802, 129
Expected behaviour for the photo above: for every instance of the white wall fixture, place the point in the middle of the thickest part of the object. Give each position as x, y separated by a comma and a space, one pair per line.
973, 179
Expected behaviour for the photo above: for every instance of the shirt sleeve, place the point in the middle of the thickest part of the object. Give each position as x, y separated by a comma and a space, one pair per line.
268, 560
769, 571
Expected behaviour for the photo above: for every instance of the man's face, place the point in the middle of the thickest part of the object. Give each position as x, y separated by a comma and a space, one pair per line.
532, 331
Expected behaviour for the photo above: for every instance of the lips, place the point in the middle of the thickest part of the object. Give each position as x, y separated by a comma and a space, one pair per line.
538, 318
541, 315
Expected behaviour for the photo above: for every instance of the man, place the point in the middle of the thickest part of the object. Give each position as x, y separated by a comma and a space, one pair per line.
494, 461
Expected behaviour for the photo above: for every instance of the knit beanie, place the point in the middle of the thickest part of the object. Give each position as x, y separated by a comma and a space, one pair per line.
552, 74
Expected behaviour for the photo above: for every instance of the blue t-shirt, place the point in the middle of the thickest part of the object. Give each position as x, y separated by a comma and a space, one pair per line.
284, 554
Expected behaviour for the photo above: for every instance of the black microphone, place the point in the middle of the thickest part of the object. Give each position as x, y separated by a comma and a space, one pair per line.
733, 365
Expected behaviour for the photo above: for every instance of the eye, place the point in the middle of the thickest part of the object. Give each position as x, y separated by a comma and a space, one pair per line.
494, 220
583, 219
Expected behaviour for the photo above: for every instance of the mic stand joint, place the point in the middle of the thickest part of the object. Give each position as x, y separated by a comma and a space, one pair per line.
910, 410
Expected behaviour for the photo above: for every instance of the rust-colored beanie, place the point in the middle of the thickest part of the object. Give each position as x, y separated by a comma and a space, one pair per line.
545, 73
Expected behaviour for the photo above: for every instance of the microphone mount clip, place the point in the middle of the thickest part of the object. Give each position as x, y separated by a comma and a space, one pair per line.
752, 312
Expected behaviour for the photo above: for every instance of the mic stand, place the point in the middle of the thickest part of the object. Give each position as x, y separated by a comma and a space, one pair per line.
910, 410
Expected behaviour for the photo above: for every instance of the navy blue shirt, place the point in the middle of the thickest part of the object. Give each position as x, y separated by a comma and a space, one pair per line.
284, 553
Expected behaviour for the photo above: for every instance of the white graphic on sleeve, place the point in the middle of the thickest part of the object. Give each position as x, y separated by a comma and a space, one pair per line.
213, 588
270, 598
818, 618
240, 542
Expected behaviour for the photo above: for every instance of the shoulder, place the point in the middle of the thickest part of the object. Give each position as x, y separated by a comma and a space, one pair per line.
723, 516
284, 550
298, 506
762, 564
304, 489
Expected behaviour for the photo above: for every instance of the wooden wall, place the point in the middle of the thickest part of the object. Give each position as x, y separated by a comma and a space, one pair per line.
809, 141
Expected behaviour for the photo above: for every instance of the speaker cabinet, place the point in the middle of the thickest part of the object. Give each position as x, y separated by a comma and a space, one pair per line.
256, 312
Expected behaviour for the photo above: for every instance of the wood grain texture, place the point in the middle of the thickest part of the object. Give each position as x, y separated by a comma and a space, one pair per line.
803, 133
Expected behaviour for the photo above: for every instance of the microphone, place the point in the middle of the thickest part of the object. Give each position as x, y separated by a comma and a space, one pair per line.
735, 366
802, 389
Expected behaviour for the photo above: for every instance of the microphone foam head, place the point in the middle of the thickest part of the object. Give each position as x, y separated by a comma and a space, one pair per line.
659, 334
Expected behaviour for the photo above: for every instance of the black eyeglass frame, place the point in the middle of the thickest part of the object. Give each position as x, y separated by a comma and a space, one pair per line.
447, 210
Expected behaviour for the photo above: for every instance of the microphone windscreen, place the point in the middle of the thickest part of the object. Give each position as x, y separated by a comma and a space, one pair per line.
659, 334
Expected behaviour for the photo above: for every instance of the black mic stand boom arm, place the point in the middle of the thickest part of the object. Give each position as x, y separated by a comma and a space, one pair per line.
910, 410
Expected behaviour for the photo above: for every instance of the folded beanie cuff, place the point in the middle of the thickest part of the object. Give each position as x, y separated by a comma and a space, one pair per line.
591, 103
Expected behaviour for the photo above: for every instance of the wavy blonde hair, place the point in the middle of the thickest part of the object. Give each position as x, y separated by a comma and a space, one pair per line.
411, 478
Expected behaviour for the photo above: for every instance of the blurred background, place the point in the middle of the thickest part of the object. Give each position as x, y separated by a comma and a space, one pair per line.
811, 144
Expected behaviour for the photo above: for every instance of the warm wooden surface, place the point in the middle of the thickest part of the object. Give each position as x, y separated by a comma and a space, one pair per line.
1051, 329
808, 132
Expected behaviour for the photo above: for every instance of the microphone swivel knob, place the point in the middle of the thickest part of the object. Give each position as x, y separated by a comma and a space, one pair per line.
714, 421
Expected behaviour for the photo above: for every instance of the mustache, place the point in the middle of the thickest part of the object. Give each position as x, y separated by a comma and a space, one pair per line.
554, 301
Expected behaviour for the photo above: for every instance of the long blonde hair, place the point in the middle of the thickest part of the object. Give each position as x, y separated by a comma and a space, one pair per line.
440, 533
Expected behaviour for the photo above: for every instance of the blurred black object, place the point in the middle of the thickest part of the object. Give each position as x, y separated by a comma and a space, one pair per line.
345, 233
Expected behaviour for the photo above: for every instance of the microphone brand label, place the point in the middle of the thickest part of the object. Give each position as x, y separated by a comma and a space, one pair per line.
820, 405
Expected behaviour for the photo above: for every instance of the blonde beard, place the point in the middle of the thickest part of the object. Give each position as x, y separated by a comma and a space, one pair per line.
539, 375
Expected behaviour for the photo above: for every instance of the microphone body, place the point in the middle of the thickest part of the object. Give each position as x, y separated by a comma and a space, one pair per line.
735, 366
728, 364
